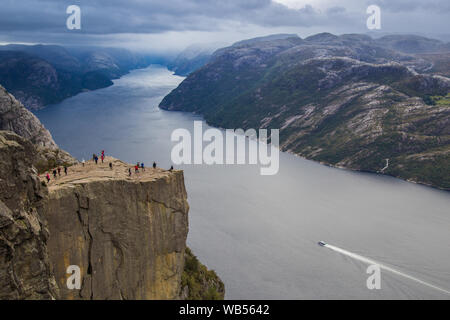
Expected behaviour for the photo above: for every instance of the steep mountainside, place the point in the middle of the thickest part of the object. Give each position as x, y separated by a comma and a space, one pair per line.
44, 74
14, 117
346, 100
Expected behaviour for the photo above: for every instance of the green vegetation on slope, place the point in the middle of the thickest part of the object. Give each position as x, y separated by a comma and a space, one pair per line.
441, 100
198, 282
343, 101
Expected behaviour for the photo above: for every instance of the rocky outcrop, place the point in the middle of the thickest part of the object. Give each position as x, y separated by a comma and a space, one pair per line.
25, 269
126, 234
16, 118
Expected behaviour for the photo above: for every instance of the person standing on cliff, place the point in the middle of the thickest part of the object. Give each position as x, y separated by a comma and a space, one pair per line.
110, 165
96, 159
103, 157
59, 171
129, 172
154, 165
48, 177
142, 166
65, 170
54, 173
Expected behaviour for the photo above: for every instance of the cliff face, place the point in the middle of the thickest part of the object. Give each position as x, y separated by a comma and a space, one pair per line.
127, 234
25, 269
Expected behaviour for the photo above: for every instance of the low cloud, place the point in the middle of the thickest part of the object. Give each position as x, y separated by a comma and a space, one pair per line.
43, 21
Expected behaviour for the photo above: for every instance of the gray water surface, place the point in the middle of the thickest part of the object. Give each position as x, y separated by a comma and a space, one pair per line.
260, 233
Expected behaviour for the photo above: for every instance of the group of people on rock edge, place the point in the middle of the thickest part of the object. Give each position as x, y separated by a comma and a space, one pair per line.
95, 157
56, 172
137, 167
141, 166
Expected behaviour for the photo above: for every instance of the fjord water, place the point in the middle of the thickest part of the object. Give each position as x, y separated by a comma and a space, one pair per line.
260, 233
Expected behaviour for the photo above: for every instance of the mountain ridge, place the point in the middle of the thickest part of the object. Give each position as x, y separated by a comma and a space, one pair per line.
345, 101
39, 75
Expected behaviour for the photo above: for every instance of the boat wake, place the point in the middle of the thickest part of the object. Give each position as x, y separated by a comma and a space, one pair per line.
382, 266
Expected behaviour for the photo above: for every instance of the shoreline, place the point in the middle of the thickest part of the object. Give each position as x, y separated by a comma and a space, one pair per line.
409, 180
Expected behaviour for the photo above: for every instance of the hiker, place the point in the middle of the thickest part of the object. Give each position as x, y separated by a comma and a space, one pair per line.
54, 173
65, 170
136, 169
154, 165
48, 177
96, 159
110, 165
83, 162
59, 171
171, 168
142, 166
129, 172
103, 157
103, 153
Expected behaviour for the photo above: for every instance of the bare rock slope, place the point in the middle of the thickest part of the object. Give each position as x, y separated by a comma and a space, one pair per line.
16, 118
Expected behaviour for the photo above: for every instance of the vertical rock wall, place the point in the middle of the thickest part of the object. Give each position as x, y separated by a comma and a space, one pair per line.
127, 237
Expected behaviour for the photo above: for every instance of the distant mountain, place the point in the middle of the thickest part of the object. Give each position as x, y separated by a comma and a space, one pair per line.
192, 58
271, 37
44, 74
348, 101
412, 44
58, 56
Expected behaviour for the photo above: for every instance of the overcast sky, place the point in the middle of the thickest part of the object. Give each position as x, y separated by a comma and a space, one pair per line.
159, 25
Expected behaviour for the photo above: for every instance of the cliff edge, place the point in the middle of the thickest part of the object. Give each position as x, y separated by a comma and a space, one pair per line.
126, 234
